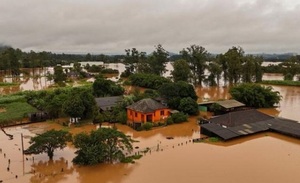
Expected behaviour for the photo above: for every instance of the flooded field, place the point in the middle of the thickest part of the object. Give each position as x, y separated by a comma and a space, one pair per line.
265, 157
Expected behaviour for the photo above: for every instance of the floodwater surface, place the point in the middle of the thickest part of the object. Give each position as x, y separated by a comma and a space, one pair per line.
265, 157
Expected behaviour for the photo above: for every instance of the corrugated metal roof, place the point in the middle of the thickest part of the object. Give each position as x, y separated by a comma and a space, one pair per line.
221, 132
250, 122
105, 103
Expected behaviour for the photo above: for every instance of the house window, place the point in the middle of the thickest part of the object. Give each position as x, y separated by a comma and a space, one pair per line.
136, 114
130, 113
162, 113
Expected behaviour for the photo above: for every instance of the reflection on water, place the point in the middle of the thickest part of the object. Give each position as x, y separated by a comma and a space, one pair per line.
35, 79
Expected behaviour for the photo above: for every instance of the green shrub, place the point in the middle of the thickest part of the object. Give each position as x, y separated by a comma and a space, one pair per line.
169, 120
147, 126
179, 117
161, 123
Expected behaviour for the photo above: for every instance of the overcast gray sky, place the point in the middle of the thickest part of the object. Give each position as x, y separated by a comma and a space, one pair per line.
110, 26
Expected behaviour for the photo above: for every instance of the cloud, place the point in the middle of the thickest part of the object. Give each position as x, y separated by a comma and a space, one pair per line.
111, 26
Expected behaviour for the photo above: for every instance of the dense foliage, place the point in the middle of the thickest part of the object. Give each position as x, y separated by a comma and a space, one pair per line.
196, 56
175, 92
255, 95
48, 141
148, 80
281, 82
181, 71
102, 145
177, 118
189, 106
77, 101
103, 87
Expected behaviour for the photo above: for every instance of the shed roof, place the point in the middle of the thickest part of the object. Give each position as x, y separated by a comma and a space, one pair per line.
105, 103
146, 105
221, 132
227, 104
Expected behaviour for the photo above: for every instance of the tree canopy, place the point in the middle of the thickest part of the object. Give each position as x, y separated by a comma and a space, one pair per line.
102, 145
255, 95
49, 141
177, 91
148, 80
103, 87
181, 71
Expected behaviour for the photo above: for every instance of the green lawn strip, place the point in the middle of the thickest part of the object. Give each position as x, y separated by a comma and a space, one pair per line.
8, 84
15, 111
12, 98
281, 82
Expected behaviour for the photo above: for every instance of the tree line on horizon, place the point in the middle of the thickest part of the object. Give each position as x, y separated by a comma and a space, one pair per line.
194, 64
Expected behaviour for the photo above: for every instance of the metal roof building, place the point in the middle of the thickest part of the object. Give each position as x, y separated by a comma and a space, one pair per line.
241, 123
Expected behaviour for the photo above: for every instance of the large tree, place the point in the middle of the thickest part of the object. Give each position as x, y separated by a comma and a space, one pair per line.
101, 145
131, 59
59, 75
252, 70
215, 72
174, 92
197, 57
181, 71
74, 107
103, 87
49, 141
234, 60
157, 61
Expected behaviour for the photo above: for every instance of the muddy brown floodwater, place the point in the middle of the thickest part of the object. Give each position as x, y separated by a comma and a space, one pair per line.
264, 157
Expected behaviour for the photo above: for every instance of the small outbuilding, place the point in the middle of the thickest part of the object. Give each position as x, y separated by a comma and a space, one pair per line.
107, 103
221, 106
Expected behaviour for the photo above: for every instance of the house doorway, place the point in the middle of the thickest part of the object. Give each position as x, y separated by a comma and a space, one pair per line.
149, 118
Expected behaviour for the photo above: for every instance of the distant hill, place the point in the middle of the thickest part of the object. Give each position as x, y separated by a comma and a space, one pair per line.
273, 57
276, 57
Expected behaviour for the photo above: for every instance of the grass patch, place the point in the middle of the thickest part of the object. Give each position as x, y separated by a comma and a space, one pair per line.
15, 111
12, 98
8, 84
213, 139
281, 82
